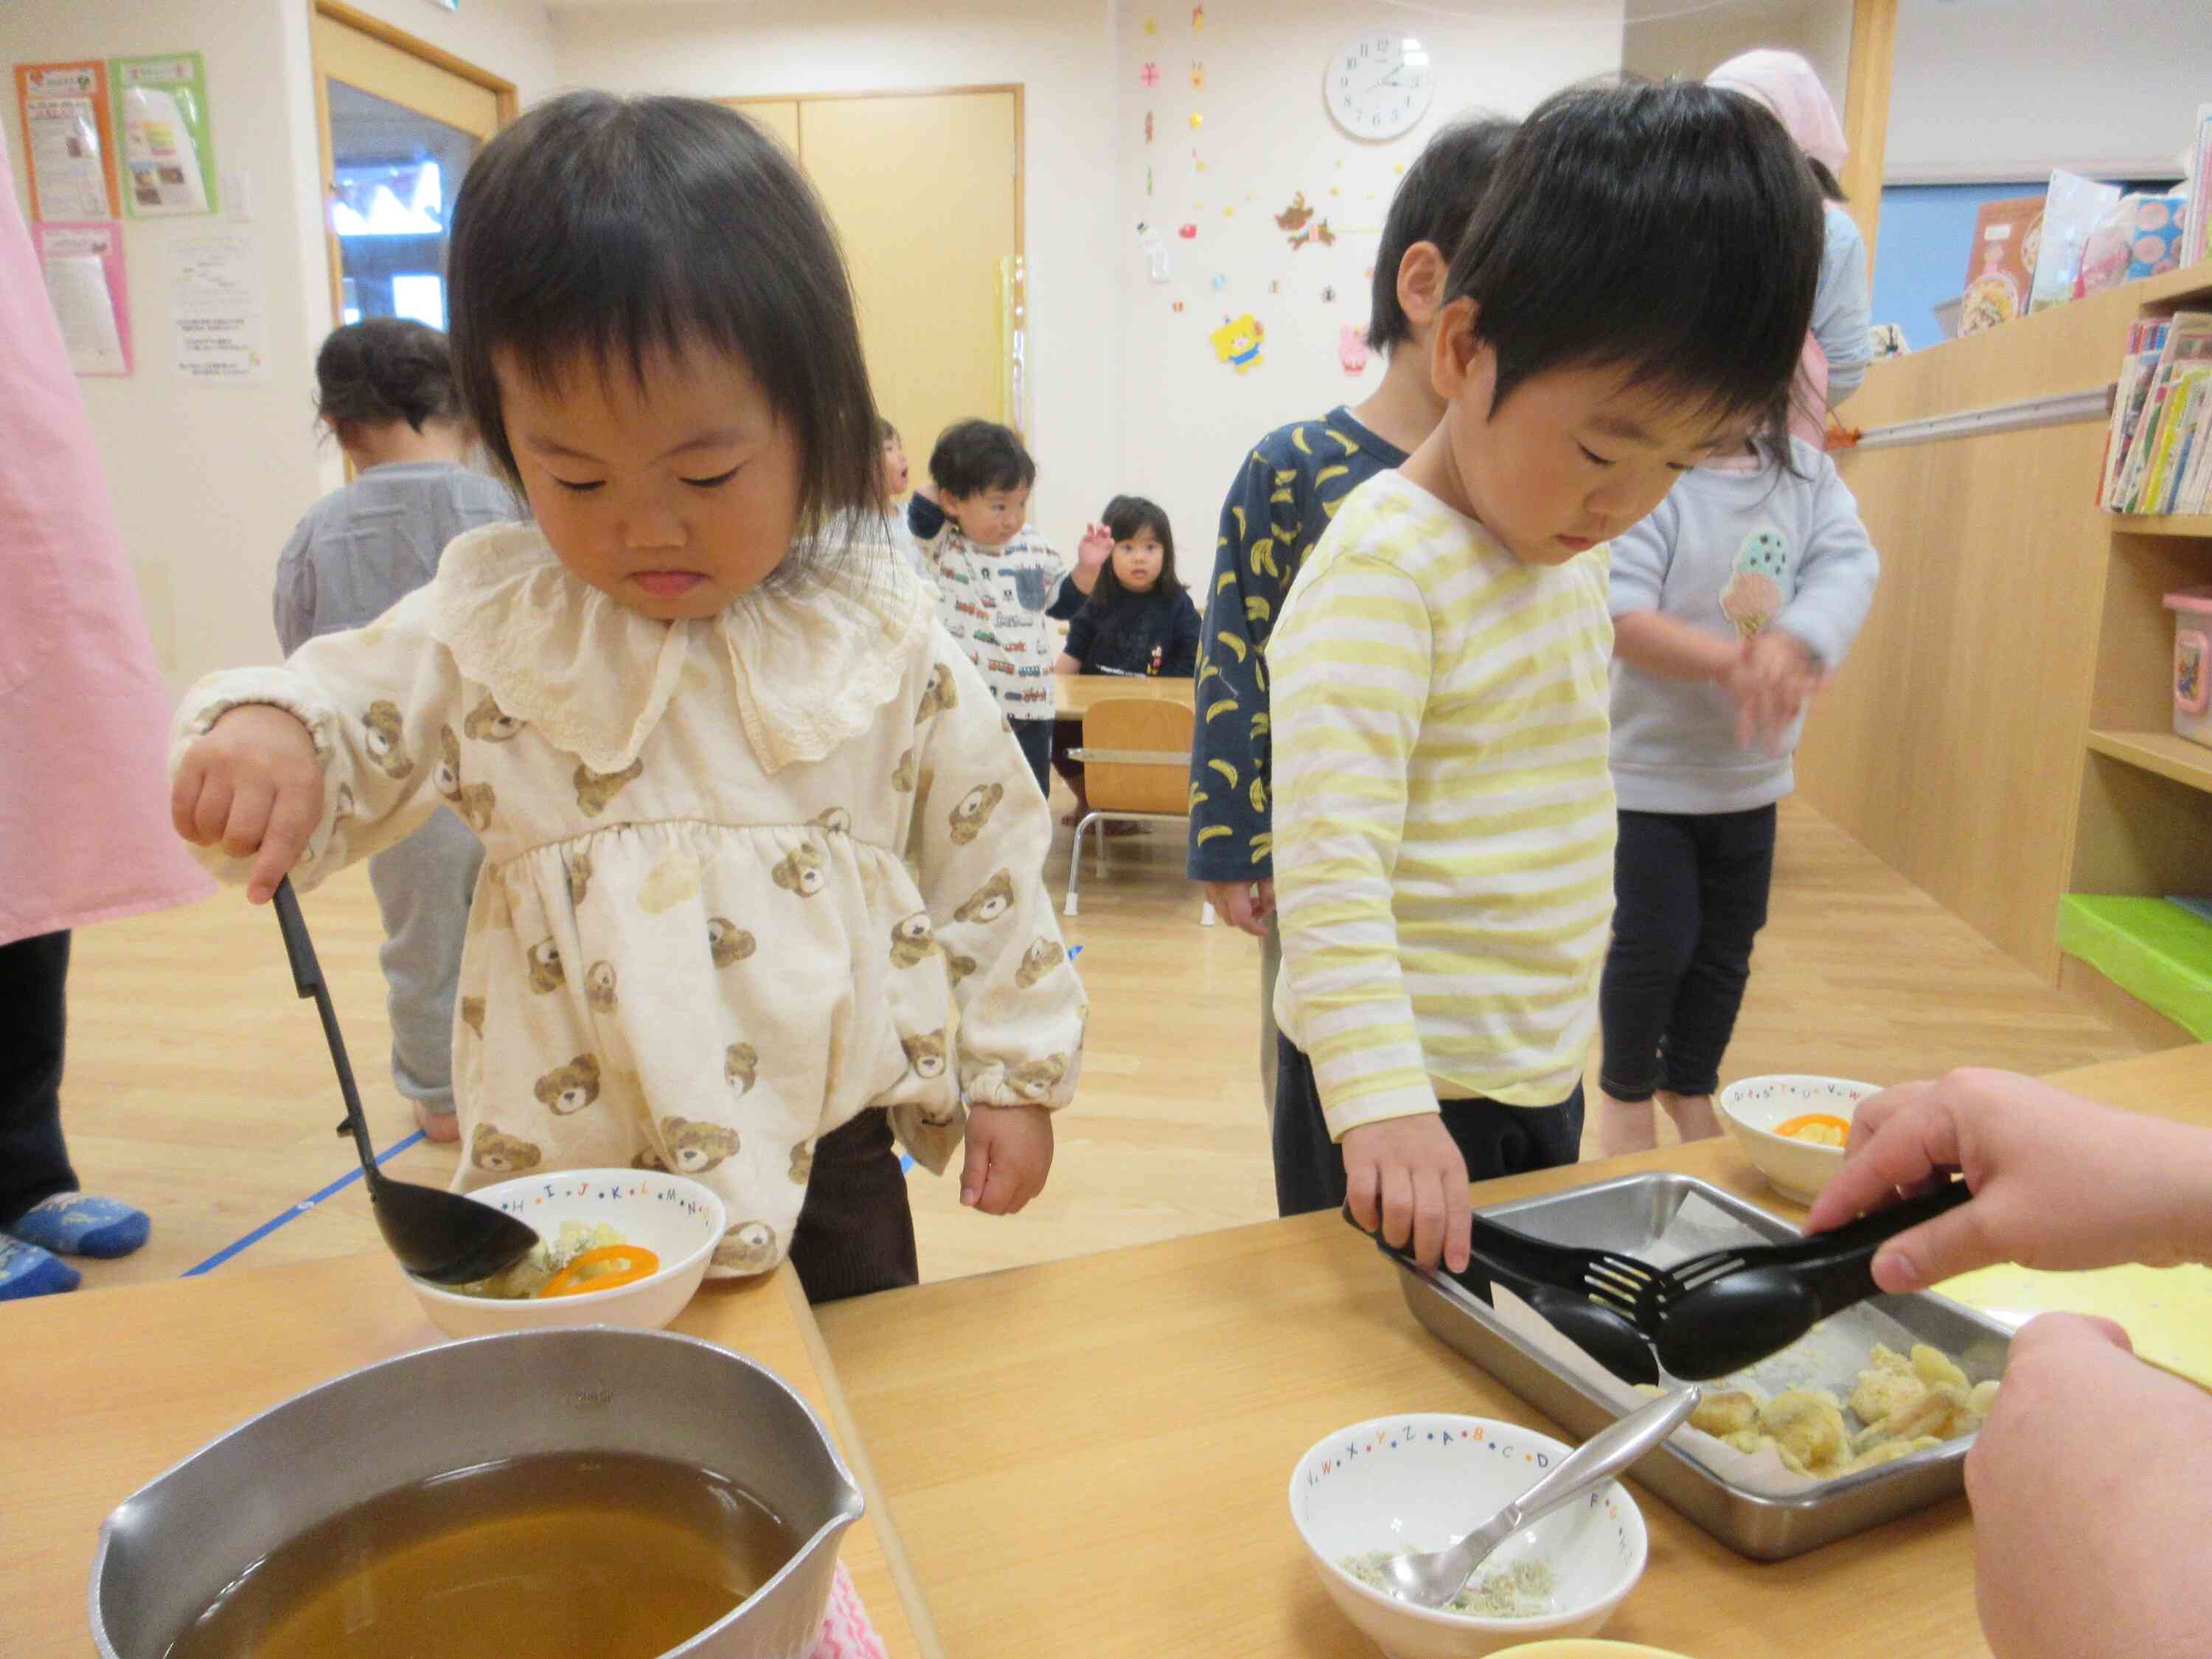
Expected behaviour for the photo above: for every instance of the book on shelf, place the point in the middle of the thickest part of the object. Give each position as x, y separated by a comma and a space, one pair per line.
2197, 228
2158, 454
2000, 270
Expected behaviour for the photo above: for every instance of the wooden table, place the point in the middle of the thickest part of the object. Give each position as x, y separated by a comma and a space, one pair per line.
1073, 695
1116, 1484
106, 1390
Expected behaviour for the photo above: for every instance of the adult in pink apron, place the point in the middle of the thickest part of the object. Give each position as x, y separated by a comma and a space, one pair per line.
84, 818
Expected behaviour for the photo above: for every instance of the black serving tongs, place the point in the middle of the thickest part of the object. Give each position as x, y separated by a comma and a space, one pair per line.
1732, 1308
1712, 1316
1590, 1297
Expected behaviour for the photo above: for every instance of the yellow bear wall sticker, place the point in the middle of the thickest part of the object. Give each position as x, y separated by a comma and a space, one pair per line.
1236, 342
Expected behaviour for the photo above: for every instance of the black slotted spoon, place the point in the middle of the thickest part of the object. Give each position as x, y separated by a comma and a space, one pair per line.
442, 1236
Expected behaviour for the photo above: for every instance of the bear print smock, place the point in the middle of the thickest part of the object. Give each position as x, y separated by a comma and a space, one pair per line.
745, 876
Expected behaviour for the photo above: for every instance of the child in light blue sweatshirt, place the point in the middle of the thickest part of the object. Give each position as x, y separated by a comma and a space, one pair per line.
1732, 604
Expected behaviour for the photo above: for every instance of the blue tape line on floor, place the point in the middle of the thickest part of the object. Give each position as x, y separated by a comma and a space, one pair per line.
297, 1209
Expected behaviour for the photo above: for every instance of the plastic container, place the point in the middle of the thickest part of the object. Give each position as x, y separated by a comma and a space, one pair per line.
2192, 663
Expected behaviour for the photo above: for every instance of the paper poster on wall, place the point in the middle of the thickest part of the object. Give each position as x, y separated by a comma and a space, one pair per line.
69, 140
216, 309
83, 267
168, 155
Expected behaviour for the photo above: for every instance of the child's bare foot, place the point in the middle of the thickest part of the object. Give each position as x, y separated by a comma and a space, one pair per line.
1624, 1126
436, 1126
1692, 1114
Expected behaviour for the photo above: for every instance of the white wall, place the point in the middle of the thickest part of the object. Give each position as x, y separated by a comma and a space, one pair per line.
1996, 89
1693, 44
1186, 419
208, 482
1060, 54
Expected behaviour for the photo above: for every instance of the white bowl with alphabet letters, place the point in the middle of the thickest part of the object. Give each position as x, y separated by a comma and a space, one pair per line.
676, 1217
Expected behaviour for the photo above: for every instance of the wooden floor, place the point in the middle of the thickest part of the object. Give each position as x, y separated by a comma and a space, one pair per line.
197, 1086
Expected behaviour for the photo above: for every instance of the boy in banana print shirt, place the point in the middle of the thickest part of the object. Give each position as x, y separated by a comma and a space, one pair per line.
1284, 497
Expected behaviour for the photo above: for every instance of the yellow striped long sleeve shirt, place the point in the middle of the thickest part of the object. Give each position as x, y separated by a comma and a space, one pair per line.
1444, 810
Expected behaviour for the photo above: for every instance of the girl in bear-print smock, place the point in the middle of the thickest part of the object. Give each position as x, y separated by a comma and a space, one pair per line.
704, 737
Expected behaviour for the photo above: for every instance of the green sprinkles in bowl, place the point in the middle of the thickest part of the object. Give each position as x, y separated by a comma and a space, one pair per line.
1524, 1590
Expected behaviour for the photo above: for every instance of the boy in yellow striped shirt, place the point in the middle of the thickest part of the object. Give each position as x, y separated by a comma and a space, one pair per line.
1632, 297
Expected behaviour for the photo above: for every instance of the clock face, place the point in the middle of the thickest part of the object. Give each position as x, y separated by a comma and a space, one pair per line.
1379, 84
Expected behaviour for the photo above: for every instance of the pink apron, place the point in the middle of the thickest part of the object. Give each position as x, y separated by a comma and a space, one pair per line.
84, 799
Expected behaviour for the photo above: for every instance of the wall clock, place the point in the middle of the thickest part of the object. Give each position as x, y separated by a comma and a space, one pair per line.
1379, 84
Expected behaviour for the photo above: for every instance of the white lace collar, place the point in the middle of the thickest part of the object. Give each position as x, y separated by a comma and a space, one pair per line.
816, 652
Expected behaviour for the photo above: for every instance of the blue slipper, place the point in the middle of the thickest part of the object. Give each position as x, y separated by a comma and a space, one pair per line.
27, 1270
77, 1223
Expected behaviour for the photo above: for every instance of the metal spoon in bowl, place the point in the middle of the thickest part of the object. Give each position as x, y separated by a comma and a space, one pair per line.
442, 1236
1432, 1580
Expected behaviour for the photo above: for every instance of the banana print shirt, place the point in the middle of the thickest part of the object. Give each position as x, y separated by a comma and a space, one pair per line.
1290, 489
697, 943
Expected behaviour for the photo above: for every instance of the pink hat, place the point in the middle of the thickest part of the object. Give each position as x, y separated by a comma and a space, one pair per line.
1786, 84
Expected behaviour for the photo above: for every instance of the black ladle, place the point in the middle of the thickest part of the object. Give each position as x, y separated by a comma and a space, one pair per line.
1742, 1305
442, 1236
1499, 1255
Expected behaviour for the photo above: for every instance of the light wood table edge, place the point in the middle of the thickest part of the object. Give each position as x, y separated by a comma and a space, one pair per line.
847, 1431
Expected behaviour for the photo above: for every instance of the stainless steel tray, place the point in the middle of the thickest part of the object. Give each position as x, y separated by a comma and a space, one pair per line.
1628, 1214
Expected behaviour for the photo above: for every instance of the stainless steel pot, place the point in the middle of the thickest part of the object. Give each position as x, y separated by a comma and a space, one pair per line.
170, 1546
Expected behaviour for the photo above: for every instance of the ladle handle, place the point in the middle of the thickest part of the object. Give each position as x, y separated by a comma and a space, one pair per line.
307, 977
307, 972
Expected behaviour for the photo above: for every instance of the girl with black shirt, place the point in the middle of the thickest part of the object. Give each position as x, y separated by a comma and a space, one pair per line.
1138, 621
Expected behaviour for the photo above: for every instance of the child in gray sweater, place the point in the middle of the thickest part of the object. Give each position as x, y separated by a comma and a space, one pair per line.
385, 389
1732, 604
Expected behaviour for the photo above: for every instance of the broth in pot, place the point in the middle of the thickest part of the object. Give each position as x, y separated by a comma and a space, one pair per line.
595, 1555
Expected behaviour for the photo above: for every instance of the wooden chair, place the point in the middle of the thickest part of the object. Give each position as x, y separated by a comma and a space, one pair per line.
1136, 766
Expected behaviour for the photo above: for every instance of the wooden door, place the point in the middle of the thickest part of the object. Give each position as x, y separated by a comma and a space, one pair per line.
925, 190
400, 121
778, 115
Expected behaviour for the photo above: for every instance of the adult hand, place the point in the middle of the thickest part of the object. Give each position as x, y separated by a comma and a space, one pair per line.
2091, 1489
1405, 1178
2059, 1182
252, 786
1245, 904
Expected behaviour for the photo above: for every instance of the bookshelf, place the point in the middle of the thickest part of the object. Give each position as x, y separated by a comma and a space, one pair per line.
2184, 762
2179, 524
2143, 818
2002, 735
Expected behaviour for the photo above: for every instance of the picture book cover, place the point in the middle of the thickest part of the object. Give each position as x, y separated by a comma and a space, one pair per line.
2007, 240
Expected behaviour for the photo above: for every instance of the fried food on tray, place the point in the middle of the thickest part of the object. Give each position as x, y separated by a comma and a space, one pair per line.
1903, 1404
